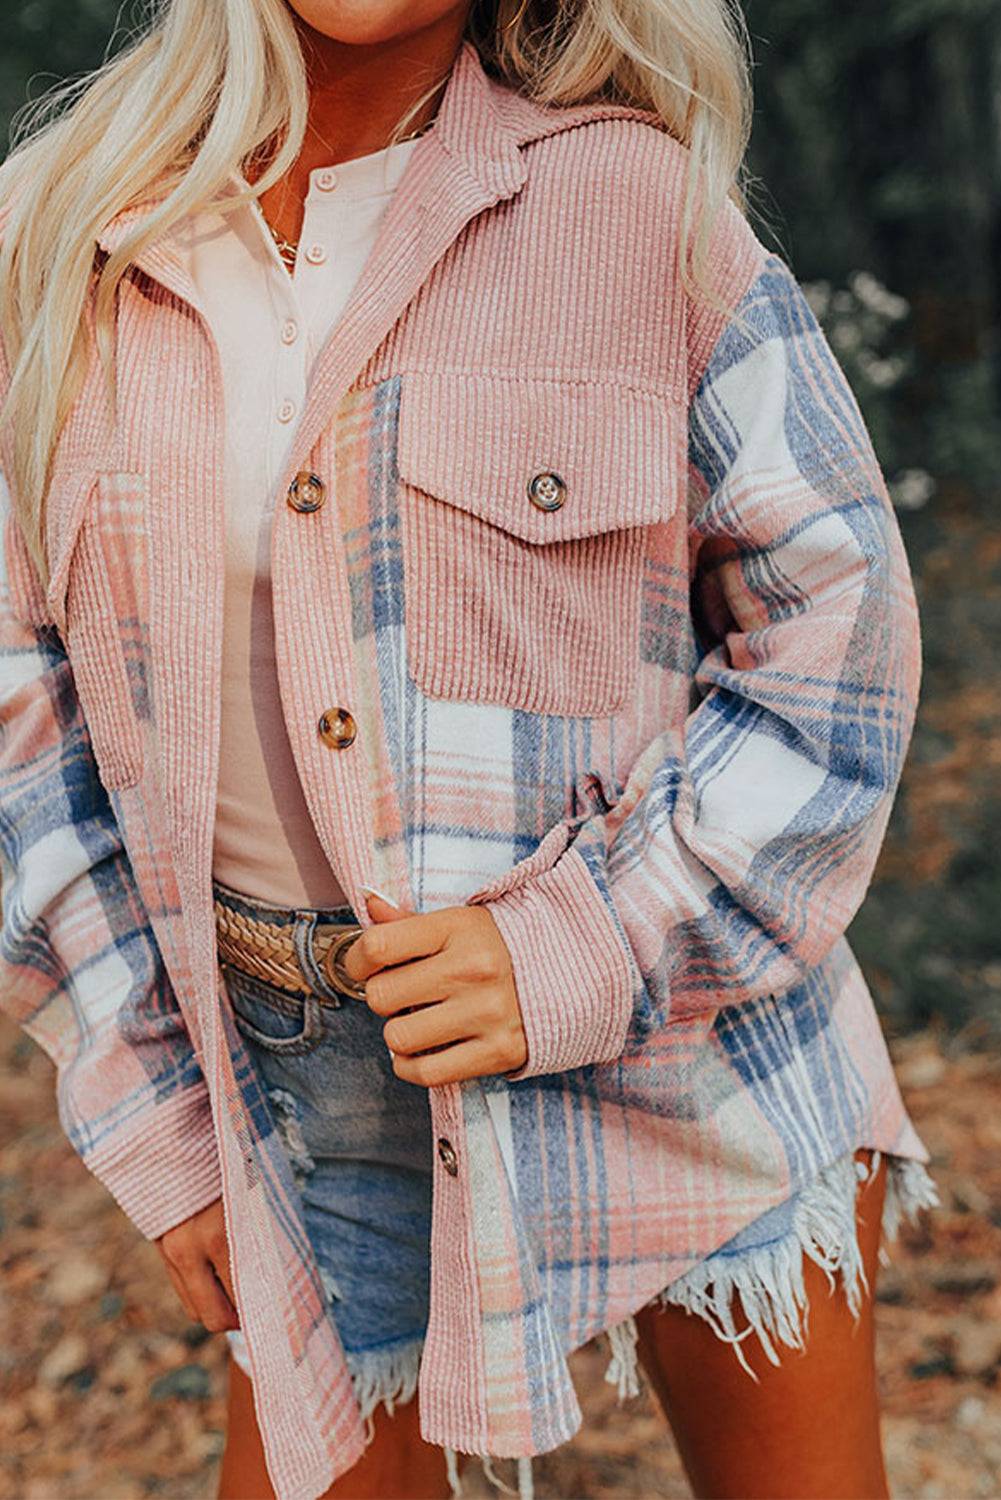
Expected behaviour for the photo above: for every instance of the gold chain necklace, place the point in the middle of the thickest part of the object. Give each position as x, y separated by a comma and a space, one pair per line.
289, 250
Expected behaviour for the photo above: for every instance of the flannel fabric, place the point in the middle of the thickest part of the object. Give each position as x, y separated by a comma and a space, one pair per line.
657, 728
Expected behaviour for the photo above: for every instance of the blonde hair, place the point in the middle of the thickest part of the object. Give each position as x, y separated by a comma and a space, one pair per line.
214, 85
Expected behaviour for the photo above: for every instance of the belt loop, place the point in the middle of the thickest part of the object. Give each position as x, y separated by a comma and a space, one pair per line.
302, 938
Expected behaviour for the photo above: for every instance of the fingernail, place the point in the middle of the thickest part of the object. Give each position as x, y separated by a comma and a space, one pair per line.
381, 895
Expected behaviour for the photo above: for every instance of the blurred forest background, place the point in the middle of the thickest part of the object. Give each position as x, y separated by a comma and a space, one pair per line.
876, 156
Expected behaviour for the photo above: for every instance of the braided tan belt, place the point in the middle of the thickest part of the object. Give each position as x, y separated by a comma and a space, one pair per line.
268, 952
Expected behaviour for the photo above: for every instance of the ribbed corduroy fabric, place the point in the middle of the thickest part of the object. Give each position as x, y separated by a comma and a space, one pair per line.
657, 730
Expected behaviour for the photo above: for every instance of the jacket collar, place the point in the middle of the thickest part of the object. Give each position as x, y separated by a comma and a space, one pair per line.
475, 129
475, 125
482, 123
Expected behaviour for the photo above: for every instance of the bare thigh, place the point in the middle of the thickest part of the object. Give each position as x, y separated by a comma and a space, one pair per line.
398, 1462
809, 1430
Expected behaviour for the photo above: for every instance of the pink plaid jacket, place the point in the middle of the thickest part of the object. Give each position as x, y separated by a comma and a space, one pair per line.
657, 728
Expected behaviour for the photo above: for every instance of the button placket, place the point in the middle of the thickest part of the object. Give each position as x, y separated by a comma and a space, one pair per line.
447, 1156
307, 491
447, 1128
337, 728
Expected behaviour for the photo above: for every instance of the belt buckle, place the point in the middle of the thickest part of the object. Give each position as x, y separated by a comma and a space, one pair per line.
332, 963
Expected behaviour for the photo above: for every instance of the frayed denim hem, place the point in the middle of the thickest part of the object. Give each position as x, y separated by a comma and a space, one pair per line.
525, 1490
384, 1375
390, 1376
769, 1276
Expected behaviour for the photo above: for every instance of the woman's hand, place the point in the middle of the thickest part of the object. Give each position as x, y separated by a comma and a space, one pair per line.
196, 1255
454, 965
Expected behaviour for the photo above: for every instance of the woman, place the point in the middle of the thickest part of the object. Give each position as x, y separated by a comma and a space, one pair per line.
458, 657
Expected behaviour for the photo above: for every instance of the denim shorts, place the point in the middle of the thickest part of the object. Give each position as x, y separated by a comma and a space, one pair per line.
359, 1144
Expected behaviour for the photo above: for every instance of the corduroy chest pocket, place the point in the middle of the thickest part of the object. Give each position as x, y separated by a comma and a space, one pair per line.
524, 505
97, 596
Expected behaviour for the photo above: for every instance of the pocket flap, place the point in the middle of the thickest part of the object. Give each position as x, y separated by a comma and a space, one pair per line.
66, 510
108, 500
478, 440
97, 597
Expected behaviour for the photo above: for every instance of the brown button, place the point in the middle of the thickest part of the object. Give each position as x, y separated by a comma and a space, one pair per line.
307, 491
547, 490
337, 728
447, 1153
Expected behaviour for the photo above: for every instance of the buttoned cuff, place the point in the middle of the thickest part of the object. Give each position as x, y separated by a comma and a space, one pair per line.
573, 971
166, 1167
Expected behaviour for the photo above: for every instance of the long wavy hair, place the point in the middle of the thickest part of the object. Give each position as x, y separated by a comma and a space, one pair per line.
209, 86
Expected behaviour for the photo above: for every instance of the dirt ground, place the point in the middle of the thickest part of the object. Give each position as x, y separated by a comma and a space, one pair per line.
109, 1393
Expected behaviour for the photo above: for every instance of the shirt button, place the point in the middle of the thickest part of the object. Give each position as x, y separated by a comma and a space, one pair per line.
306, 492
547, 490
446, 1152
316, 255
326, 179
290, 331
337, 728
286, 411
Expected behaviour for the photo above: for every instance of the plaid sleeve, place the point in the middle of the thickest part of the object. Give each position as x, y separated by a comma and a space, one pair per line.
744, 843
80, 970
